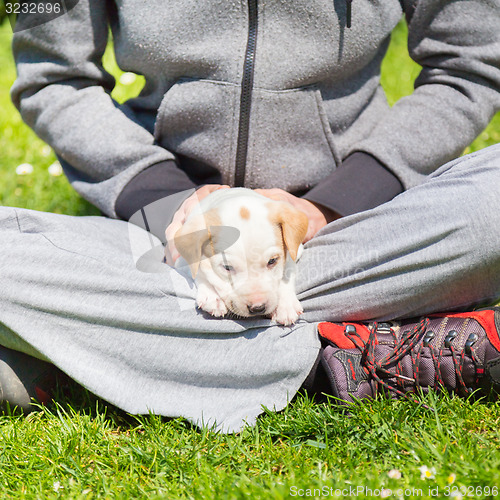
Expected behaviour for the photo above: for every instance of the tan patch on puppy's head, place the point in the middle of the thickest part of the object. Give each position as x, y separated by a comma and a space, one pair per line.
292, 222
244, 213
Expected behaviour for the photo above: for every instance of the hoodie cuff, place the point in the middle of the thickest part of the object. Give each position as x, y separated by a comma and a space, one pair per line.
361, 182
158, 181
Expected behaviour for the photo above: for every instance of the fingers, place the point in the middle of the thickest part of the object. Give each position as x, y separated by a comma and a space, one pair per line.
316, 218
179, 218
171, 253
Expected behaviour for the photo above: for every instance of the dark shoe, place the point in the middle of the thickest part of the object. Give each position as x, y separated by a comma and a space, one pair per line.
459, 353
23, 379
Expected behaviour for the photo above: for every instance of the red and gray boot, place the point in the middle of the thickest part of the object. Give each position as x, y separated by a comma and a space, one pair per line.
458, 352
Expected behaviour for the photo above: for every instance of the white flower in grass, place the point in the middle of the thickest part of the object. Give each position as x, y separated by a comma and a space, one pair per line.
394, 474
24, 169
46, 150
456, 494
128, 78
56, 486
451, 478
55, 170
385, 493
426, 473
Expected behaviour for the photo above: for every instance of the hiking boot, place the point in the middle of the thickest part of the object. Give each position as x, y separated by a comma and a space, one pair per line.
23, 379
459, 353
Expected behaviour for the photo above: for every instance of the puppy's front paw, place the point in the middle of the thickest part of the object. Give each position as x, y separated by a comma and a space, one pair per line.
288, 311
208, 300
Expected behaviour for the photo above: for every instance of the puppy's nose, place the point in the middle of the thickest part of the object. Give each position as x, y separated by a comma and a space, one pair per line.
256, 308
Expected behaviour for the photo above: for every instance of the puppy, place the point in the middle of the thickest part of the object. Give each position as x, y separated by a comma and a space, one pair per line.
241, 249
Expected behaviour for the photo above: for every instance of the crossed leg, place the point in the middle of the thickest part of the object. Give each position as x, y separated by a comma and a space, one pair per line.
435, 247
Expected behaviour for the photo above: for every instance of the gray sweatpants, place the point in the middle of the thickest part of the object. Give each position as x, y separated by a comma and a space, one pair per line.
71, 293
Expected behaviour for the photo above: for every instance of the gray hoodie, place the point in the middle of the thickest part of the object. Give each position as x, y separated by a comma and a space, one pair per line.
260, 93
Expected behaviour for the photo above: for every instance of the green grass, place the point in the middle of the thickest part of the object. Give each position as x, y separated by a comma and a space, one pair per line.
97, 452
82, 448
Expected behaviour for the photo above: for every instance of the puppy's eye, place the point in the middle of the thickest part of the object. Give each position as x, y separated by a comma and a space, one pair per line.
228, 268
272, 262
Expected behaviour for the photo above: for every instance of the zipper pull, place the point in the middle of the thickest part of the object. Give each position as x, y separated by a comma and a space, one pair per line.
348, 13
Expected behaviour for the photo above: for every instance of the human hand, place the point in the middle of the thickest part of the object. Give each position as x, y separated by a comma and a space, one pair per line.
318, 215
182, 214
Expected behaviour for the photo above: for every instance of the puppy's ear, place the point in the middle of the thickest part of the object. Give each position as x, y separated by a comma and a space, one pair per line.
293, 224
192, 236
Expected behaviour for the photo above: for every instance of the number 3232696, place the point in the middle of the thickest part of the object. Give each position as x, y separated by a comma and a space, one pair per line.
33, 8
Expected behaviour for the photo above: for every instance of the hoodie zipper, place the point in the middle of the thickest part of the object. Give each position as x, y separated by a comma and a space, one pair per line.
348, 13
246, 95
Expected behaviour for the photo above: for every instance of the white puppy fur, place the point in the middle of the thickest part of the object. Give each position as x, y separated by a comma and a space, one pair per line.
241, 248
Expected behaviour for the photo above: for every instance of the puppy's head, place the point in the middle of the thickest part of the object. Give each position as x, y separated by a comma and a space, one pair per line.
241, 249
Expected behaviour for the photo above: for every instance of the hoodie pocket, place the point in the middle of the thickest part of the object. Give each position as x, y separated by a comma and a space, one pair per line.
198, 119
290, 144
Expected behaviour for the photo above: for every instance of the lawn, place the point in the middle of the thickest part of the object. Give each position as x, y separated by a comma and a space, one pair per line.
82, 448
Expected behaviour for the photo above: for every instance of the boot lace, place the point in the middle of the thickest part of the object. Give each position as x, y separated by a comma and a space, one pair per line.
411, 343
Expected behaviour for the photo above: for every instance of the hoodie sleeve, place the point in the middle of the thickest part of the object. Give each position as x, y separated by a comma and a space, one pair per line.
456, 94
63, 93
